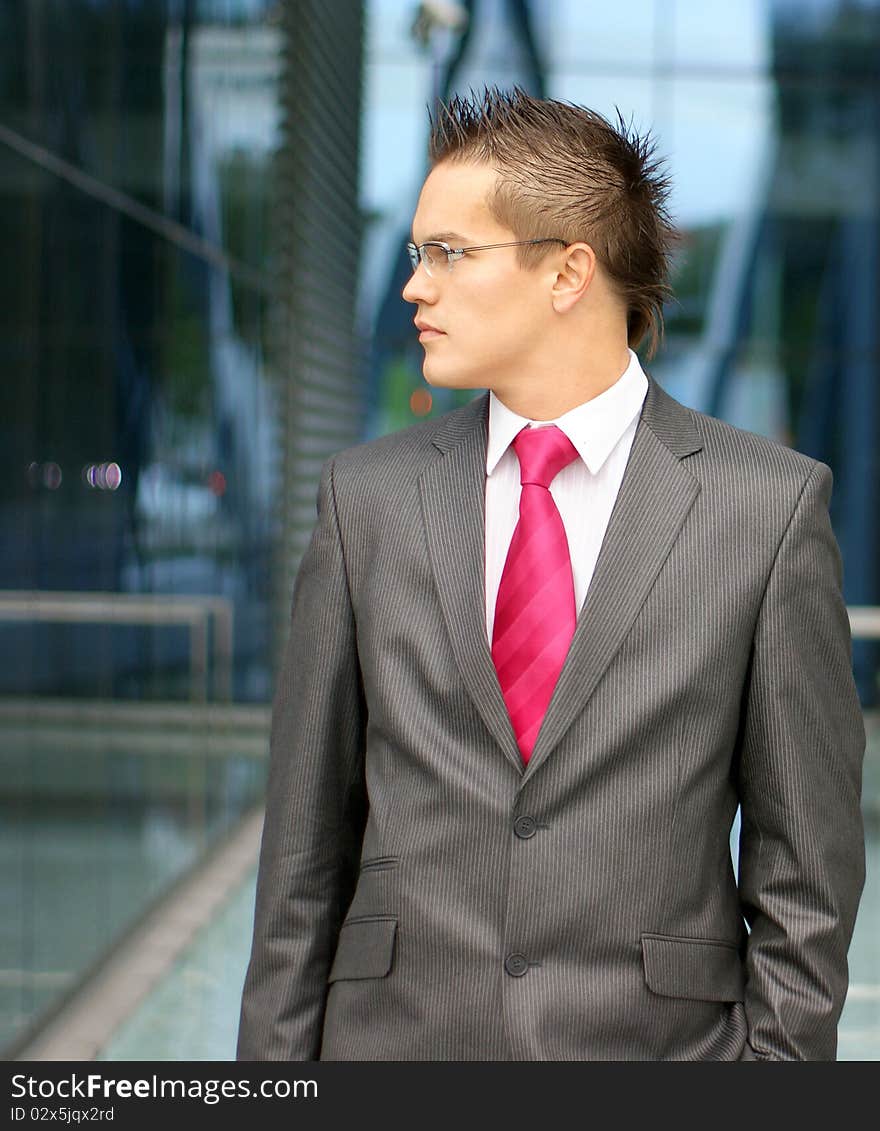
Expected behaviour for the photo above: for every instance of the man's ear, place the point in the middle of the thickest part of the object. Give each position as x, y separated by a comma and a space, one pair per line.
573, 278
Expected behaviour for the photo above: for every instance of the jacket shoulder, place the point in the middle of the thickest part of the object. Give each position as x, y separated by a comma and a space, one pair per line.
725, 449
407, 450
739, 471
727, 441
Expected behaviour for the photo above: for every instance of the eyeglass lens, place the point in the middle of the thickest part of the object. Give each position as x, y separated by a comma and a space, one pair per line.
433, 256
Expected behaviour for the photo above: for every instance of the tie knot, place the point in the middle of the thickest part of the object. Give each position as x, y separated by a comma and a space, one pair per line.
542, 454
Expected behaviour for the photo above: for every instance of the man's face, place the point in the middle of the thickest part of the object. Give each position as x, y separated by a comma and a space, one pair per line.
493, 314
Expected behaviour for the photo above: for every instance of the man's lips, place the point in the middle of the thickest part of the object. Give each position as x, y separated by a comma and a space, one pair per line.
427, 331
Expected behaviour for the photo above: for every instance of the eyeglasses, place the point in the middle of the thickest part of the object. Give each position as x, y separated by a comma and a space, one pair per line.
431, 255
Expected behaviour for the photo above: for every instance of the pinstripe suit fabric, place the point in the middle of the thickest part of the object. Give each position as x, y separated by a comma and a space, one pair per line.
407, 852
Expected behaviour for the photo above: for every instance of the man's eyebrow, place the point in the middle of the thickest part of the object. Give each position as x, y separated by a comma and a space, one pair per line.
445, 237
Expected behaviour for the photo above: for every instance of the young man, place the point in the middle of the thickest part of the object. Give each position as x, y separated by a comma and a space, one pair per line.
541, 650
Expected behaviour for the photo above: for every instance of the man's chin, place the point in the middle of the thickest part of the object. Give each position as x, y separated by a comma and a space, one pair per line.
441, 380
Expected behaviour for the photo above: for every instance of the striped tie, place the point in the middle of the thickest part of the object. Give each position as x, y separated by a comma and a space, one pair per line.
535, 612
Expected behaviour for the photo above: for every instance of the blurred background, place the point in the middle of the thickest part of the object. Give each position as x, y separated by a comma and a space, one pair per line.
203, 215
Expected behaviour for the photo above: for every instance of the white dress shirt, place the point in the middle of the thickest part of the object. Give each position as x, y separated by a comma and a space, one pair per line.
602, 430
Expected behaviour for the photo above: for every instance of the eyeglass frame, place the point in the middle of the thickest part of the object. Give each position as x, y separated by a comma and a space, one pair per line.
453, 254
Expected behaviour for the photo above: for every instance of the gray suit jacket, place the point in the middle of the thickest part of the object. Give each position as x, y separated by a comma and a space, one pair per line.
422, 896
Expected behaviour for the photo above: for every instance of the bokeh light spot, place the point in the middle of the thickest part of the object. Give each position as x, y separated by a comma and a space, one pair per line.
420, 402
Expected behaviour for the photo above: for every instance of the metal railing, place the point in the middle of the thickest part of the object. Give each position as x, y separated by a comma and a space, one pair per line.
864, 621
194, 612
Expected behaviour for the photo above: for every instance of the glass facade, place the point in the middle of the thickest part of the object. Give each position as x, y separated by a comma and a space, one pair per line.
204, 206
136, 205
163, 208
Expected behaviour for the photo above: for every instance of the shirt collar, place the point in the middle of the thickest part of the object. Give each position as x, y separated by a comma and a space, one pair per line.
594, 427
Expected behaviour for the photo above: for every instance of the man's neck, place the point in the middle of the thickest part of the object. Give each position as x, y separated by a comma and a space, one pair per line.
547, 396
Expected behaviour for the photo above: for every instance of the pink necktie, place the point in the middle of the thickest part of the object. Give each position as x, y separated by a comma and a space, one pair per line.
535, 613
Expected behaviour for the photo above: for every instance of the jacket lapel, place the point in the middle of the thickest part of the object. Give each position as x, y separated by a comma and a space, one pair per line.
655, 496
453, 505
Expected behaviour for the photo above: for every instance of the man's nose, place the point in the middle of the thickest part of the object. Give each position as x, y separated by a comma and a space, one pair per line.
420, 287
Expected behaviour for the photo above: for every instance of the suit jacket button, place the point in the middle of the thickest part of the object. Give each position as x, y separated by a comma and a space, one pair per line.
516, 965
524, 827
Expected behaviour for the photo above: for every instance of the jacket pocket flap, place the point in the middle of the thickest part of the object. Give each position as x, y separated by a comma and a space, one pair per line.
702, 969
365, 948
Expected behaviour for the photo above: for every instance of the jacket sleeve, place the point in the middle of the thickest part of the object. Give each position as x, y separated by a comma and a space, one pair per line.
315, 808
802, 856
